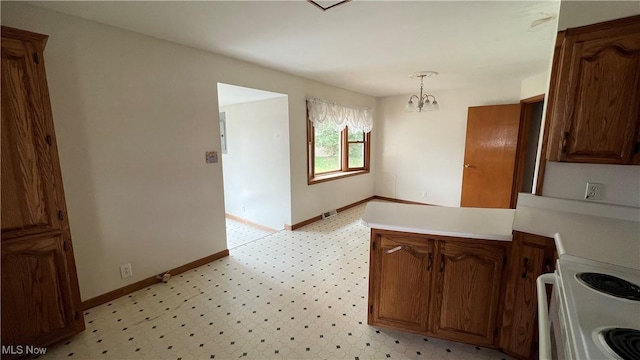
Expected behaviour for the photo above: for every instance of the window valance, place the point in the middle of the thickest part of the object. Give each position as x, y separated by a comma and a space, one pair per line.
327, 113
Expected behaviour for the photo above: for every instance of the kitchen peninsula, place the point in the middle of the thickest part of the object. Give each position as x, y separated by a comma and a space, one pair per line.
438, 271
468, 274
475, 223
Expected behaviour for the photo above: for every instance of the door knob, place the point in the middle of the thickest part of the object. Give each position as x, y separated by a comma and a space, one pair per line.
467, 165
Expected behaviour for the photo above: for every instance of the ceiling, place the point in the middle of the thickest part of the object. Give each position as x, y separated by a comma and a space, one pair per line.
366, 46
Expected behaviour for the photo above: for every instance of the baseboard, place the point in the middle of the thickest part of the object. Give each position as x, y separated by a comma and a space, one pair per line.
251, 223
302, 223
112, 295
319, 217
384, 198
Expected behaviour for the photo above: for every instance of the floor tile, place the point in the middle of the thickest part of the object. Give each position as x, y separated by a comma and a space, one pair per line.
288, 295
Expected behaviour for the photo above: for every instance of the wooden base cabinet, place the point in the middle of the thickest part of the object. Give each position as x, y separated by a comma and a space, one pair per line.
36, 292
467, 291
439, 286
401, 266
40, 295
531, 256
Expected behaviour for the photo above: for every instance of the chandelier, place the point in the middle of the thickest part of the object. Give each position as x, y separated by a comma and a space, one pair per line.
425, 102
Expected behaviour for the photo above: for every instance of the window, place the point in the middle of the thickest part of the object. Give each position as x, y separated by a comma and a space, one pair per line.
338, 139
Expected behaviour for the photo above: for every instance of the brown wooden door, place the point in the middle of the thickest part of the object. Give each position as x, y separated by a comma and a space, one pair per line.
37, 295
467, 291
400, 281
531, 255
490, 156
599, 99
40, 295
29, 202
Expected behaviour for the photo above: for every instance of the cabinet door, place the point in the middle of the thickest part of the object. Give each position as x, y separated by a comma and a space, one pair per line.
467, 291
37, 291
400, 281
531, 256
599, 96
40, 295
29, 202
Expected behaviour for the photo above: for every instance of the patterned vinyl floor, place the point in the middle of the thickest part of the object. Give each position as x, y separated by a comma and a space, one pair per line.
240, 234
288, 295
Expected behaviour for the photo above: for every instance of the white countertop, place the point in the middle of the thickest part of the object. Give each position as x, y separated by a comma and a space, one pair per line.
604, 239
475, 223
601, 232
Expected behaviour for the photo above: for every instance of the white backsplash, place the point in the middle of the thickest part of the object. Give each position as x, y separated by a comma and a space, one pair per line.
621, 183
579, 207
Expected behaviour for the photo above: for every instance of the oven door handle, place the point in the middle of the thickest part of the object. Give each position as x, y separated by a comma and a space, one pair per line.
544, 326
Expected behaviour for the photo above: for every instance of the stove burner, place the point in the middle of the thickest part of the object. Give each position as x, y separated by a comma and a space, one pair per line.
611, 285
623, 342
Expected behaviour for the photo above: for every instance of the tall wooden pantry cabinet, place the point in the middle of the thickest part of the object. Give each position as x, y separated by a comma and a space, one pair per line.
40, 295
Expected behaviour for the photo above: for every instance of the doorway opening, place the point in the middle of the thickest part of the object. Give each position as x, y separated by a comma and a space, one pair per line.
528, 144
254, 135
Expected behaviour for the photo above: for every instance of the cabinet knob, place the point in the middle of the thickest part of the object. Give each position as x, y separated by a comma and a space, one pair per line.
467, 165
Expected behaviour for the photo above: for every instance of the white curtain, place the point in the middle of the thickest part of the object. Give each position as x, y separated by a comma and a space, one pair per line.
326, 113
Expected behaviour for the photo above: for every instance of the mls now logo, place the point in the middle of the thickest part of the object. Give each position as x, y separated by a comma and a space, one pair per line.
20, 350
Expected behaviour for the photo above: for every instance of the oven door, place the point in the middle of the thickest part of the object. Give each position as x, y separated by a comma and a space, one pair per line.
552, 323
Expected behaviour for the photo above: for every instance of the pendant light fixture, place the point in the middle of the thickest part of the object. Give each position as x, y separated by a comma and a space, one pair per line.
328, 5
423, 102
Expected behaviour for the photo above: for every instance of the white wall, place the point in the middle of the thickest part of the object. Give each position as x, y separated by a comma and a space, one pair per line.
621, 183
419, 152
569, 180
308, 201
535, 85
134, 116
578, 13
256, 165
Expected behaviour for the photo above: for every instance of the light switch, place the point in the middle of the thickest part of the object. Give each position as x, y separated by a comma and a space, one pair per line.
211, 157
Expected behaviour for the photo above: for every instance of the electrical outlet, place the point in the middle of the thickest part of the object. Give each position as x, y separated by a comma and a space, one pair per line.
593, 191
125, 271
424, 194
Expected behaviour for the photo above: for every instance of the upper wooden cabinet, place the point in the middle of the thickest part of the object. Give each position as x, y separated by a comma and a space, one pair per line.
40, 294
29, 196
595, 104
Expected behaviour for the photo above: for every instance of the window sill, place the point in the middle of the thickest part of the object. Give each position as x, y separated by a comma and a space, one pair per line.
335, 176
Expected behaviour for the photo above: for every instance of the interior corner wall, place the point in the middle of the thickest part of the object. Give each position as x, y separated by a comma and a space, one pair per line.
134, 116
309, 201
424, 152
565, 180
620, 183
579, 13
534, 85
256, 165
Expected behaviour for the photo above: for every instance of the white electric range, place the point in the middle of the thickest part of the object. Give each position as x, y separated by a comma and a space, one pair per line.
594, 311
598, 245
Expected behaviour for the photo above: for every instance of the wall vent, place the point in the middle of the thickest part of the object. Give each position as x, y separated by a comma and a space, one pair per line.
328, 214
